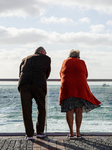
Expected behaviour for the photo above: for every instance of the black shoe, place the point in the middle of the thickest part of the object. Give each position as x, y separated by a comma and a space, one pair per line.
41, 135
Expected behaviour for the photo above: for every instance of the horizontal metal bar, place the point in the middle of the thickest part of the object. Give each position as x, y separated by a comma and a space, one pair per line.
99, 80
9, 79
89, 80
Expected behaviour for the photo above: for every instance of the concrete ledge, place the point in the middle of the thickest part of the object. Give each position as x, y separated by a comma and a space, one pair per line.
82, 133
62, 134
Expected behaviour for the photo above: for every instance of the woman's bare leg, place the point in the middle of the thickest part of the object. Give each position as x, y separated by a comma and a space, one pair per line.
78, 120
70, 119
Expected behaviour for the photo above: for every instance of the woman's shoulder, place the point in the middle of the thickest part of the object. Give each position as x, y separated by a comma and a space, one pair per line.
81, 60
71, 59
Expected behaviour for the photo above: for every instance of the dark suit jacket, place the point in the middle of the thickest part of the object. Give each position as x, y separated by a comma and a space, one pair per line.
34, 70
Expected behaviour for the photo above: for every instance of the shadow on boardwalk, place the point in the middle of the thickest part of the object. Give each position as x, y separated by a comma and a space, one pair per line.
56, 143
86, 143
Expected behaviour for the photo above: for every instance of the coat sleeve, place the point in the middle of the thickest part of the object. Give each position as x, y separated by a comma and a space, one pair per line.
49, 69
20, 67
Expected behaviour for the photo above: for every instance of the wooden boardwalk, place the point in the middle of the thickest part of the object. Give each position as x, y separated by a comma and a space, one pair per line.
56, 143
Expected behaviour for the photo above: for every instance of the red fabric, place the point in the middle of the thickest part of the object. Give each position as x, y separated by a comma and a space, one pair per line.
74, 75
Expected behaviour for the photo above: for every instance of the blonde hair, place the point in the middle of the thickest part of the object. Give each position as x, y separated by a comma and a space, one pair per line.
74, 53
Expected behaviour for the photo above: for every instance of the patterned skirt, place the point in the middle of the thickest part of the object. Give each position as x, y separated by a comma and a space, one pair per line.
73, 102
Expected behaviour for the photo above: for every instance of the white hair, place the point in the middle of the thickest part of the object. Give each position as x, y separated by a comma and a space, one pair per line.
74, 53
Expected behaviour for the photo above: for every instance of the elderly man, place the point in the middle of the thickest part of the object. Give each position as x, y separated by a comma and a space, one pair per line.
33, 72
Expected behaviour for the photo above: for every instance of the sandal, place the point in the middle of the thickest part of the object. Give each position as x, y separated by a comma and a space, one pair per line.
70, 137
79, 137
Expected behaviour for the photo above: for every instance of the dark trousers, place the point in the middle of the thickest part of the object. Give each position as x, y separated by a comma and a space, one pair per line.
27, 93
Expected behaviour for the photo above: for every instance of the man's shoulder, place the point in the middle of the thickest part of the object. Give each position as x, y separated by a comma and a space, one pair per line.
35, 56
48, 57
43, 56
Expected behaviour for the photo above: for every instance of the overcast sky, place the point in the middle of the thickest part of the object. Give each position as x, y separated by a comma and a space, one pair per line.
58, 26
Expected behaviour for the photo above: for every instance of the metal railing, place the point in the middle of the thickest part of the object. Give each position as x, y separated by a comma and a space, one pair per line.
89, 80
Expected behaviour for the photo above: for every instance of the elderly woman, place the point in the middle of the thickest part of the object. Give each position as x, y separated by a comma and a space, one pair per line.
75, 95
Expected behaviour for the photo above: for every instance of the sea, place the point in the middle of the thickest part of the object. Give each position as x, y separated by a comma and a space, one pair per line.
97, 120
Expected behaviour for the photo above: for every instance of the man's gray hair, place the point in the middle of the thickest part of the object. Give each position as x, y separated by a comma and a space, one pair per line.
39, 49
74, 53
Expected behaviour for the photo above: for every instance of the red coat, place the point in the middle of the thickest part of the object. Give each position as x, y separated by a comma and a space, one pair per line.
74, 75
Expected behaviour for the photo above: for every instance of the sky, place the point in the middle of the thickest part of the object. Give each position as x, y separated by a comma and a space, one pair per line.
58, 26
